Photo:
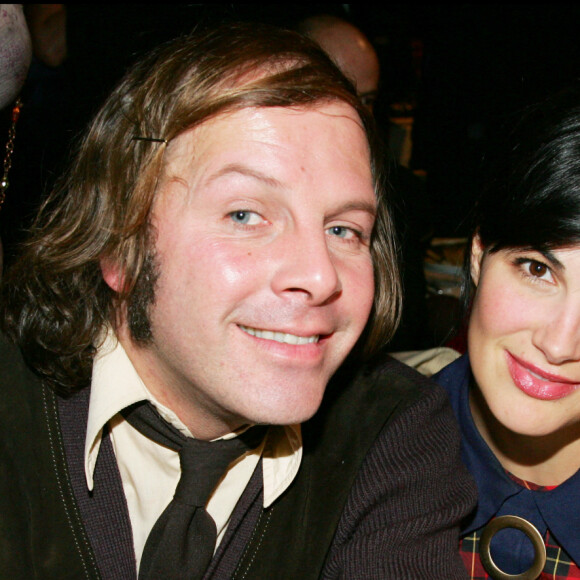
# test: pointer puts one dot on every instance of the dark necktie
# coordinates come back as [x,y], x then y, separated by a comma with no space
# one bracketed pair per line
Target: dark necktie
[182,541]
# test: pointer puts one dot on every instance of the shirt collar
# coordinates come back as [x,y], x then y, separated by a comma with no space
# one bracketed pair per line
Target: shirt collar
[498,493]
[116,385]
[281,460]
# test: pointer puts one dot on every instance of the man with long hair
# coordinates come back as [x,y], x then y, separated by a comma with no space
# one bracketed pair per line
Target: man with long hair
[191,384]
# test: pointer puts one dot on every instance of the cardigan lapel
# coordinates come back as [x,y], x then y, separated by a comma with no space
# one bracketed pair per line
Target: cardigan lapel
[103,511]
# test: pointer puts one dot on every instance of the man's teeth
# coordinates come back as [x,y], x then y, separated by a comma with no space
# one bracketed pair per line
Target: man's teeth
[280,336]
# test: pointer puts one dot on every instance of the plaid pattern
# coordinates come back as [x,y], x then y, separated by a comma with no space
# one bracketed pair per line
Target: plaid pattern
[559,566]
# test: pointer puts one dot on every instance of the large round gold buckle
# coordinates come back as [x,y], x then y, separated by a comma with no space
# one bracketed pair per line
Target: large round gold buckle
[531,532]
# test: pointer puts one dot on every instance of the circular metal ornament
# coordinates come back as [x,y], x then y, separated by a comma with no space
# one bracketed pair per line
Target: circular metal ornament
[529,530]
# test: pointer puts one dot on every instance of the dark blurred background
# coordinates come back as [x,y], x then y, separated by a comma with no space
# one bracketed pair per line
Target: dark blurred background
[452,76]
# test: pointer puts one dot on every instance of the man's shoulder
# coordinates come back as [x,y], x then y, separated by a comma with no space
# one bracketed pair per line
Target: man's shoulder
[19,386]
[378,389]
[362,400]
[35,499]
[406,380]
[22,409]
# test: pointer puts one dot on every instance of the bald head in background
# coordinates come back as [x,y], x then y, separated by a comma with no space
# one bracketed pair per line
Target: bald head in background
[350,49]
[15,52]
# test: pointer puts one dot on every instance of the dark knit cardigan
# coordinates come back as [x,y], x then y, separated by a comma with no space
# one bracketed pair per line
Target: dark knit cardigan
[380,492]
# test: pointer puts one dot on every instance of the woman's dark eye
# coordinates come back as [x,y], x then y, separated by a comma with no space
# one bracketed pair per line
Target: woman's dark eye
[538,269]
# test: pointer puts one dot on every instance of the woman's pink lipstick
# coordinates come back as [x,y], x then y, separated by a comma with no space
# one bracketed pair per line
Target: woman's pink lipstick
[537,383]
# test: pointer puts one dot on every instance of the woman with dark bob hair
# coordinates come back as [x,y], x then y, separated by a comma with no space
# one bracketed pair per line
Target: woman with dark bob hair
[516,393]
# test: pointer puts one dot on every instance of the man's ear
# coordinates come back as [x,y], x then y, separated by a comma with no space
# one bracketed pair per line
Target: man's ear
[112,274]
[477,253]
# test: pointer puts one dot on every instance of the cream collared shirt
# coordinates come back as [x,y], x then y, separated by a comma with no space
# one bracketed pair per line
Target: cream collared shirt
[149,471]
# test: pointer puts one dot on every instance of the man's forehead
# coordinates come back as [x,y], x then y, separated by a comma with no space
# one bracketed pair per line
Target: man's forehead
[269,127]
[256,115]
[273,149]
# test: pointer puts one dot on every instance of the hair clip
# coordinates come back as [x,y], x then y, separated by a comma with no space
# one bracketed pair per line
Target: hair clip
[154,139]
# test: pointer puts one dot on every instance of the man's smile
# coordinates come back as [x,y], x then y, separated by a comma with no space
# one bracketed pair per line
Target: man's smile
[283,337]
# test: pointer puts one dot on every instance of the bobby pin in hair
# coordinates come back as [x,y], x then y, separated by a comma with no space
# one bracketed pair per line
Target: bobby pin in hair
[155,139]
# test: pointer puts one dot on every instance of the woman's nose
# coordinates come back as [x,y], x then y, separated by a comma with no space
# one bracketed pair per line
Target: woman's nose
[559,339]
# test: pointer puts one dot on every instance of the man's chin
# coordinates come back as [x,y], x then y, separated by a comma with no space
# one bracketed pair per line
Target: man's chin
[291,414]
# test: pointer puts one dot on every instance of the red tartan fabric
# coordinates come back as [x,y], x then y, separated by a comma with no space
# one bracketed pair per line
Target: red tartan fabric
[559,565]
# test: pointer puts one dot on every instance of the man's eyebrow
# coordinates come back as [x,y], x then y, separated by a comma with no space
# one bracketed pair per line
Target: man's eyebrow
[355,205]
[241,169]
[247,171]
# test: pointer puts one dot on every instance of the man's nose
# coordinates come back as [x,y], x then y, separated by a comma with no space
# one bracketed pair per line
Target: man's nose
[559,339]
[306,267]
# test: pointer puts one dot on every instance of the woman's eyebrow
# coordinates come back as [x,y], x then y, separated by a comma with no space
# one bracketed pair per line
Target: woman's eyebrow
[550,257]
[547,254]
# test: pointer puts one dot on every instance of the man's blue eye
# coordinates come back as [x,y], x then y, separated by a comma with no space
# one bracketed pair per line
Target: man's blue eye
[339,231]
[241,217]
